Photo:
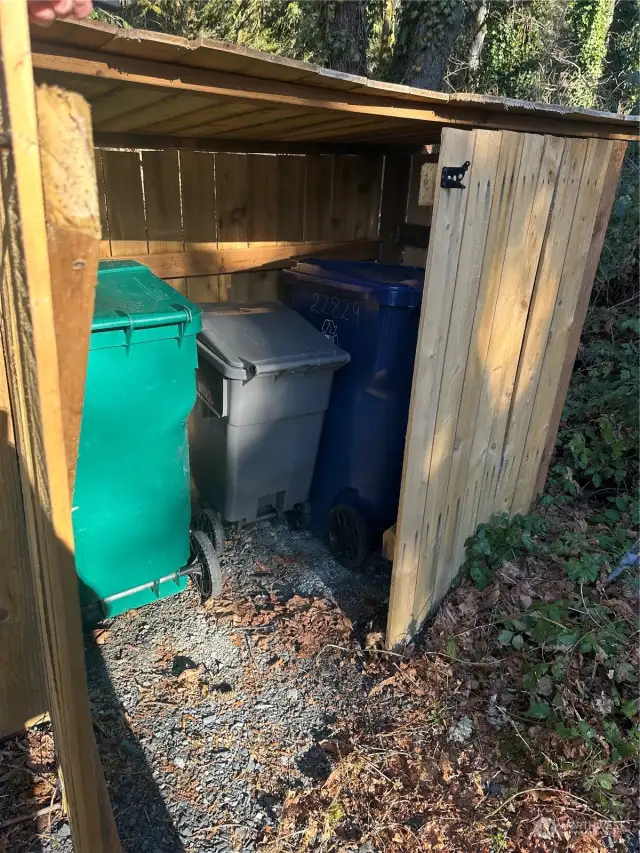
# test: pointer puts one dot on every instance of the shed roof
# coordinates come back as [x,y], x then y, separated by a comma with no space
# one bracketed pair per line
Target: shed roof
[157,85]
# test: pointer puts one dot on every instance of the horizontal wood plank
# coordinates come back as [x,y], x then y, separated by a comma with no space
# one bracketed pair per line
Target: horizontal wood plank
[161,141]
[184,264]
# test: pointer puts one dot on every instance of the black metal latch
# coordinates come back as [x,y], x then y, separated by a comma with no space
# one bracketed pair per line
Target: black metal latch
[452,176]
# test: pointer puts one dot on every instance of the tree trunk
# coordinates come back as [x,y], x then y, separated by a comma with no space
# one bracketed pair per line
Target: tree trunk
[480,33]
[426,33]
[347,36]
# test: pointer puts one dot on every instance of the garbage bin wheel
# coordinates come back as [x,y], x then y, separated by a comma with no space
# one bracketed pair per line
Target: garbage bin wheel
[299,517]
[348,536]
[206,574]
[210,522]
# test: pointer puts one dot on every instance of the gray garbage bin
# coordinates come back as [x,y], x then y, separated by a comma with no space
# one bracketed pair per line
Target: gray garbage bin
[264,380]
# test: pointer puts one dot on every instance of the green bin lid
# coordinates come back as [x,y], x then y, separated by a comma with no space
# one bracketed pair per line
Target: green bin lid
[129,297]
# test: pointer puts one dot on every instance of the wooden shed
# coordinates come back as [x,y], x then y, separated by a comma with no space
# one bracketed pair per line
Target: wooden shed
[217,166]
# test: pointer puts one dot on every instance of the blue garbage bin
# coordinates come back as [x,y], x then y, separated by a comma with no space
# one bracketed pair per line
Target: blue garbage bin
[371,311]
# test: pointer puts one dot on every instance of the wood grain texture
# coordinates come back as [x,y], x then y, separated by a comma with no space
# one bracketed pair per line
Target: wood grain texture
[221,261]
[597,240]
[197,172]
[492,260]
[504,296]
[544,298]
[263,199]
[125,204]
[439,516]
[72,213]
[568,319]
[344,193]
[368,186]
[105,243]
[162,201]
[390,111]
[291,201]
[28,324]
[202,288]
[160,141]
[537,179]
[406,599]
[232,200]
[393,208]
[417,214]
[317,201]
[22,689]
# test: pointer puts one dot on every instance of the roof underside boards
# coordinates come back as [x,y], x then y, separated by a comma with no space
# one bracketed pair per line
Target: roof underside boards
[153,84]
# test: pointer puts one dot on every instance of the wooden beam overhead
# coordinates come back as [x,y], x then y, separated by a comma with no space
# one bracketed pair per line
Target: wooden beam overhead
[388,107]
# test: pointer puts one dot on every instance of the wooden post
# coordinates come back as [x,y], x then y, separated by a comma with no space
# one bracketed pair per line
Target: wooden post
[29,329]
[73,235]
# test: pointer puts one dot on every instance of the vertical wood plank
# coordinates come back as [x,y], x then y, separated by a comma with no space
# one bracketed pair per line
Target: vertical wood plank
[525,181]
[317,209]
[225,285]
[179,284]
[162,201]
[417,214]
[232,199]
[368,189]
[599,233]
[28,325]
[438,515]
[125,205]
[254,286]
[263,199]
[203,288]
[105,243]
[544,298]
[492,261]
[197,170]
[521,262]
[22,692]
[456,146]
[395,188]
[566,324]
[73,231]
[291,175]
[504,298]
[343,197]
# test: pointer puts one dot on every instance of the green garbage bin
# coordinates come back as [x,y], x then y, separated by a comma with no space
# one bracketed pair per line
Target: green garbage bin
[131,507]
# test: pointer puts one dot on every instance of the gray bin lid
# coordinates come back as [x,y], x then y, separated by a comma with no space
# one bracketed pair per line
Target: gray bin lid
[259,338]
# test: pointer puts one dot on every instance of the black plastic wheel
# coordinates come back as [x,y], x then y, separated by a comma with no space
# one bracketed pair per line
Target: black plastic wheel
[207,574]
[299,517]
[210,522]
[348,536]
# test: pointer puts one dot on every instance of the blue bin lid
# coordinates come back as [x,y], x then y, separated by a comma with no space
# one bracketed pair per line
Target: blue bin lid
[129,297]
[389,284]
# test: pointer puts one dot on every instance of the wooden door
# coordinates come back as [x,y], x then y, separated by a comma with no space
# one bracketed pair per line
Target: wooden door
[510,260]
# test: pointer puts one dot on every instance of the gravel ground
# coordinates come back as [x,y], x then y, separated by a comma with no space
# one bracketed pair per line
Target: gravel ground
[207,715]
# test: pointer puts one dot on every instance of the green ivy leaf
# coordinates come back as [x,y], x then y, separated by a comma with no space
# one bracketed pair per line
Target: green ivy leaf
[518,642]
[452,647]
[586,730]
[566,732]
[539,710]
[630,707]
[505,637]
[605,781]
